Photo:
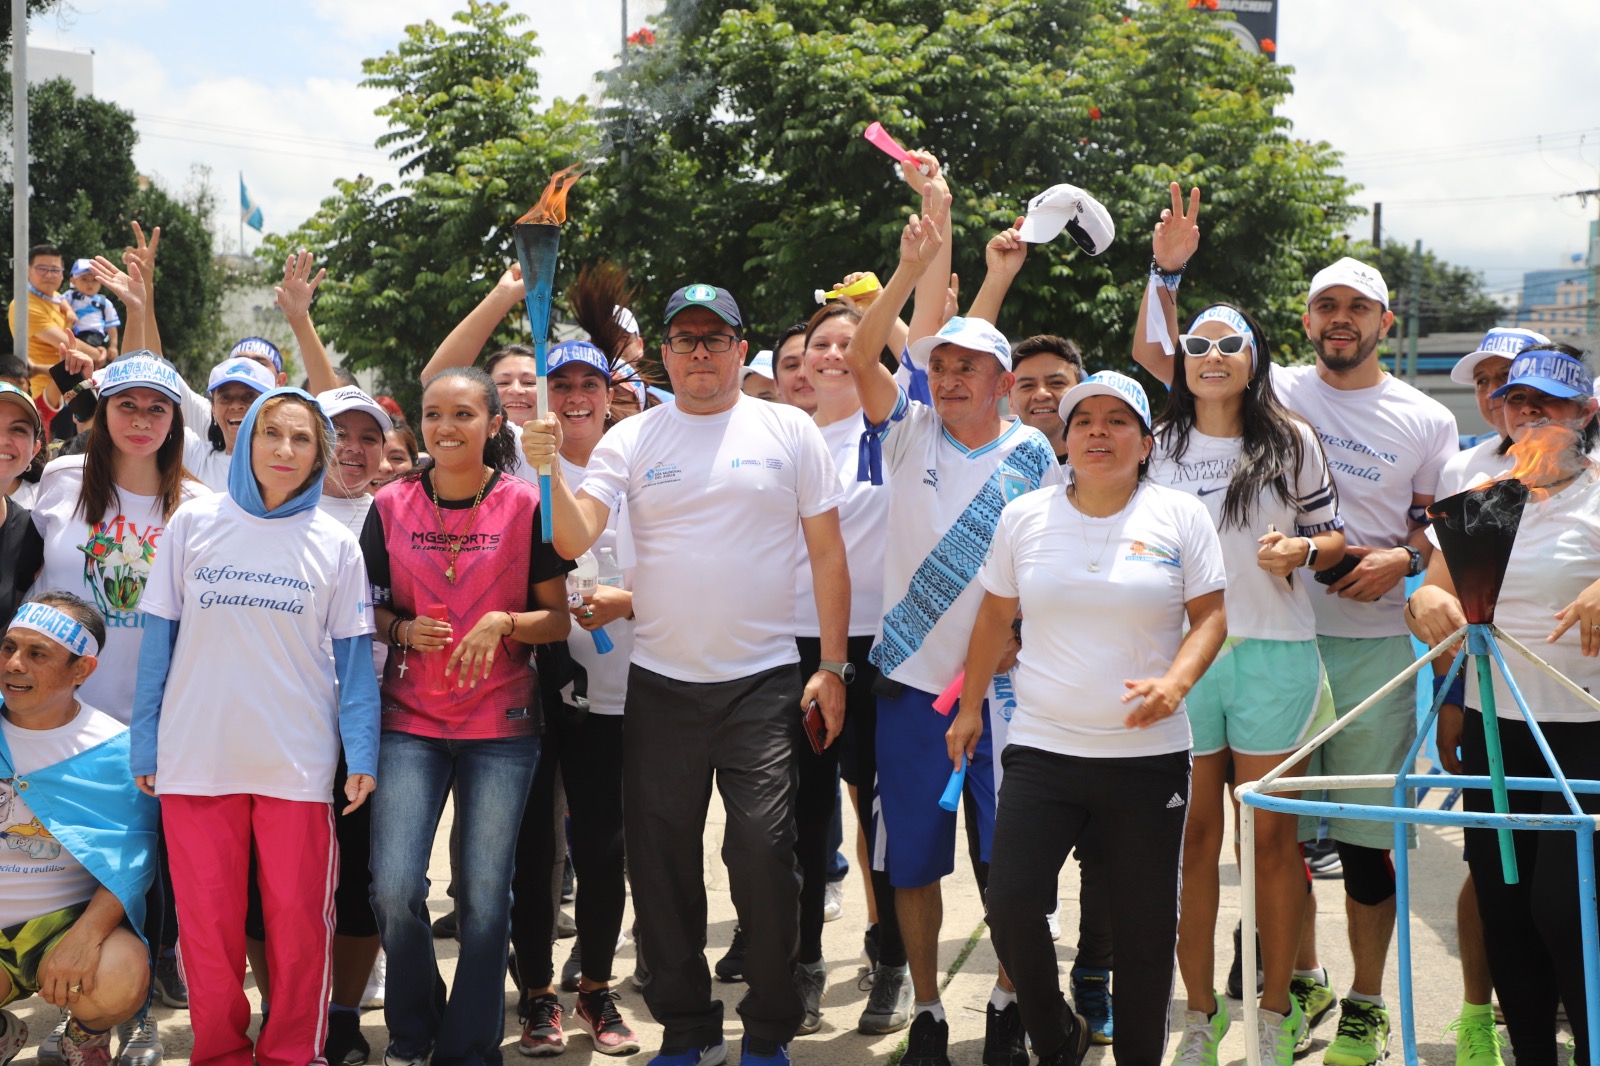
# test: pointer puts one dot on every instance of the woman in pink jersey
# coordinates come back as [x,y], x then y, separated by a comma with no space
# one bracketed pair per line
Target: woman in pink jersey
[465,589]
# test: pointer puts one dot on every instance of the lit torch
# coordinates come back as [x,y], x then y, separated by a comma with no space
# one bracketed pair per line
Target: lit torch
[538,238]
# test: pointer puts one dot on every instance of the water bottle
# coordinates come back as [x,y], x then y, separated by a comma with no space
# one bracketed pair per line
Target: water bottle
[610,572]
[435,682]
[581,584]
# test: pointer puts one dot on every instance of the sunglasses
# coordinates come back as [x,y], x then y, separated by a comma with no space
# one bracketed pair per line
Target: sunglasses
[1198,346]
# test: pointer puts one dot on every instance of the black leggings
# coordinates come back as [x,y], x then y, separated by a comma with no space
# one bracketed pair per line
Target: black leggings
[819,792]
[1531,929]
[579,774]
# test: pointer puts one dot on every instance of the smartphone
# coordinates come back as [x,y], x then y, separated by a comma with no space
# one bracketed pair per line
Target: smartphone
[816,729]
[77,391]
[1338,570]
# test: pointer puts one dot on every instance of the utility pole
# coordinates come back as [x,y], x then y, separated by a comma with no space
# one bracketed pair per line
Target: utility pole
[19,176]
[1591,313]
[1377,226]
[1414,332]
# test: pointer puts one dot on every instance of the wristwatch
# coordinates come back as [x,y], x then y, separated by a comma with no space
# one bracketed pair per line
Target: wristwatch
[1415,566]
[846,672]
[1311,554]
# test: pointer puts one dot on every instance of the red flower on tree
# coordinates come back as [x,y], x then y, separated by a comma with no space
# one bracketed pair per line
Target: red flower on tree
[1268,45]
[645,36]
[1094,113]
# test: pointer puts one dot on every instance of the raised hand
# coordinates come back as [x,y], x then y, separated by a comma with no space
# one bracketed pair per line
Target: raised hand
[143,250]
[923,172]
[922,236]
[129,287]
[1177,235]
[1005,253]
[299,285]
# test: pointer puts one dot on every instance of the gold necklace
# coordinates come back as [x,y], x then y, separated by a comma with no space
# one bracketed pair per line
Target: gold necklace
[452,548]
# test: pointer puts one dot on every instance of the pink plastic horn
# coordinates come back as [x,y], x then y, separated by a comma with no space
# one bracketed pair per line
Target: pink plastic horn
[948,698]
[887,144]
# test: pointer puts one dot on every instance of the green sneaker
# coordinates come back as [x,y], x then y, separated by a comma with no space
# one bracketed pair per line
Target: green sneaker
[1197,1046]
[1279,1034]
[1363,1036]
[1315,999]
[1478,1042]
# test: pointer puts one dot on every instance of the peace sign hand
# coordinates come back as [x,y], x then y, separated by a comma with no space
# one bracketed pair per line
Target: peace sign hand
[1177,235]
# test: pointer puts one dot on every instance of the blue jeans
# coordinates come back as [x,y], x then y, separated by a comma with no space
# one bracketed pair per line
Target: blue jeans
[492,779]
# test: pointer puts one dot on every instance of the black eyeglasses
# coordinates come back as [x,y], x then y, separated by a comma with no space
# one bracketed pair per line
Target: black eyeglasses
[715,343]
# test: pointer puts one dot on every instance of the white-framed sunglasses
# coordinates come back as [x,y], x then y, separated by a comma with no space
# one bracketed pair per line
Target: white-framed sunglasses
[1198,347]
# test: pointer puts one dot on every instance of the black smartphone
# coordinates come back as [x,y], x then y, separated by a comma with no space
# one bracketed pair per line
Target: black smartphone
[816,729]
[76,390]
[1338,570]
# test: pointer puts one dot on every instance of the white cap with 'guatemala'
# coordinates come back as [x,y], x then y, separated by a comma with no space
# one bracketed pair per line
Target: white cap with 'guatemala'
[1506,342]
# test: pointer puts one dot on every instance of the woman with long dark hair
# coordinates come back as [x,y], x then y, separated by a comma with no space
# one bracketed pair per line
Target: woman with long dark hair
[461,706]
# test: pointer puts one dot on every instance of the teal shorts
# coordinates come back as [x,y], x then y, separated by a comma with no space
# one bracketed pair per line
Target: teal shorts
[1258,698]
[1376,743]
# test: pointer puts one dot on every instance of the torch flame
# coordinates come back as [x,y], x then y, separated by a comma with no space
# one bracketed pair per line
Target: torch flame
[551,210]
[1543,456]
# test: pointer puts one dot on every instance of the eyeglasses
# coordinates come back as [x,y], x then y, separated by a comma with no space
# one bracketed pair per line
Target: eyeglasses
[1198,346]
[715,343]
[49,272]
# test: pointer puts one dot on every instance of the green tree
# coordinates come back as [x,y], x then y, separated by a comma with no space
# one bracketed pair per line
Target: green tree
[35,7]
[189,280]
[736,152]
[1452,297]
[406,262]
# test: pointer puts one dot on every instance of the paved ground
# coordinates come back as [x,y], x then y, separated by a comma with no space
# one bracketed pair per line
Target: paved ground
[1437,868]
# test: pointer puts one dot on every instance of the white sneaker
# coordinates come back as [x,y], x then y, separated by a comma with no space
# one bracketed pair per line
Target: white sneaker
[1053,920]
[141,1042]
[833,901]
[372,998]
[49,1053]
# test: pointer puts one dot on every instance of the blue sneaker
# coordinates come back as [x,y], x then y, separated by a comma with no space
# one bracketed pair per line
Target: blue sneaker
[1091,997]
[709,1055]
[763,1051]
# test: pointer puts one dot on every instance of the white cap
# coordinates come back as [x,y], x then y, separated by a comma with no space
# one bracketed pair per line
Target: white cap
[1108,383]
[1354,273]
[244,371]
[1068,207]
[336,402]
[761,364]
[1504,341]
[625,319]
[973,333]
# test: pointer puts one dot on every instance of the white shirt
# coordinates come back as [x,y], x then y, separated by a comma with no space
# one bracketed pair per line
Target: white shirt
[1555,557]
[251,704]
[608,673]
[107,563]
[863,521]
[38,875]
[1472,467]
[1260,605]
[27,492]
[703,492]
[933,482]
[1384,444]
[203,460]
[1084,633]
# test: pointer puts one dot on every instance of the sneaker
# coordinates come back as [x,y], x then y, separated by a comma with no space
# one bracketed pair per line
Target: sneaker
[1005,1042]
[811,980]
[1478,1042]
[541,1028]
[710,1055]
[888,1007]
[82,1048]
[1363,1036]
[833,901]
[731,966]
[869,948]
[444,928]
[372,997]
[1322,856]
[1316,999]
[928,1043]
[49,1050]
[755,1051]
[1052,921]
[391,1057]
[1278,1035]
[1236,972]
[170,987]
[572,969]
[1091,995]
[141,1042]
[1197,1045]
[345,1045]
[569,883]
[597,1014]
[1075,1047]
[13,1036]
[566,928]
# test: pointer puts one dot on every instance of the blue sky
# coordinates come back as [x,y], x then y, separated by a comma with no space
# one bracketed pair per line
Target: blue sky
[1464,117]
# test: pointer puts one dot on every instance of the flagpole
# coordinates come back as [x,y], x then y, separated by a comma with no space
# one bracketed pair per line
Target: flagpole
[241,222]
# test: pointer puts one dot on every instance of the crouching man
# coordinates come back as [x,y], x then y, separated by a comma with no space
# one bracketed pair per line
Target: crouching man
[77,838]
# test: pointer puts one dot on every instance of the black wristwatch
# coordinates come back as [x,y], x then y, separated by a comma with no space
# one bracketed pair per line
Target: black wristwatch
[1415,566]
[845,672]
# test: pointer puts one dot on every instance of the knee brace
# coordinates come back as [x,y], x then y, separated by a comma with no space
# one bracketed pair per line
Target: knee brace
[1368,873]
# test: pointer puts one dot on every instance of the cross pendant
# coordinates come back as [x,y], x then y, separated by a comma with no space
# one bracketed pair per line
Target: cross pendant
[402,669]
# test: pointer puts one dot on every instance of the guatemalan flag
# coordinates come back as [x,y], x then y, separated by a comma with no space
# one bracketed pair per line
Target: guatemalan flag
[248,211]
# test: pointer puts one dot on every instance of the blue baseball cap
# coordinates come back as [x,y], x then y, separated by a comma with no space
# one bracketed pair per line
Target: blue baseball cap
[244,371]
[1504,342]
[142,370]
[700,294]
[580,352]
[258,347]
[1550,372]
[1108,383]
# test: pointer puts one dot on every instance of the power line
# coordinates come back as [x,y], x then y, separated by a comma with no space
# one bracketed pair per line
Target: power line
[326,142]
[270,149]
[1426,155]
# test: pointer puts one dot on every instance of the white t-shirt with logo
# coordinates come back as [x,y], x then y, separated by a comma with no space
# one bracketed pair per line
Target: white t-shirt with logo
[1383,444]
[257,601]
[1555,557]
[934,484]
[1472,467]
[107,563]
[706,495]
[863,521]
[37,874]
[1260,605]
[1085,632]
[607,673]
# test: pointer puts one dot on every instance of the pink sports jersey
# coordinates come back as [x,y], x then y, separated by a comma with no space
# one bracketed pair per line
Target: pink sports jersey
[492,574]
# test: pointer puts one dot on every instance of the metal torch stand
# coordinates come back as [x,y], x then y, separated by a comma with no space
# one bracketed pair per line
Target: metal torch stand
[1483,642]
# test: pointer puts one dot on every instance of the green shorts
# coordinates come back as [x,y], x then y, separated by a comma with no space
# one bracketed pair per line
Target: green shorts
[23,948]
[1258,698]
[1376,743]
